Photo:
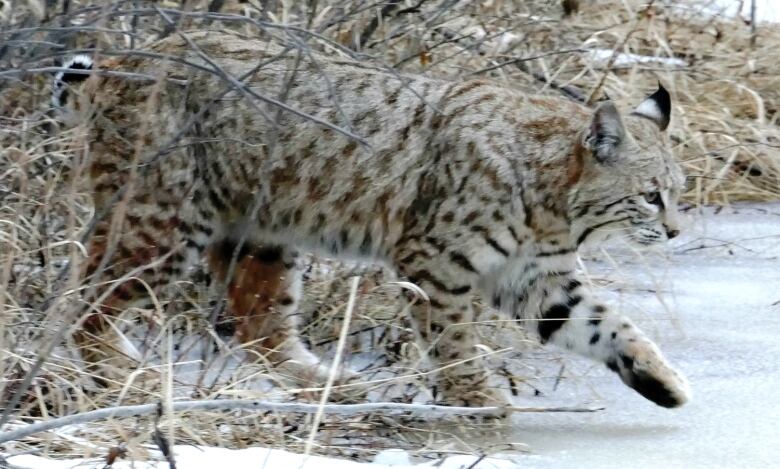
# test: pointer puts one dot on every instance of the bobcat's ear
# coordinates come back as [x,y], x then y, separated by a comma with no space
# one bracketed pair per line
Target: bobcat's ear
[605,133]
[657,107]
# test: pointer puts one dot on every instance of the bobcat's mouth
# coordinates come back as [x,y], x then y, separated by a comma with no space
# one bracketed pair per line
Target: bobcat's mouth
[647,236]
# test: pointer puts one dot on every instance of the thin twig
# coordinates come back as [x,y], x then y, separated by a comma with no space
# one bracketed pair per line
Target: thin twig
[752,23]
[384,408]
[383,13]
[518,60]
[615,53]
[569,91]
[334,368]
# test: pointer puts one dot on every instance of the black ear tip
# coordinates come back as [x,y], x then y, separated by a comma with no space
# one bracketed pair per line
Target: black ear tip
[664,101]
[662,93]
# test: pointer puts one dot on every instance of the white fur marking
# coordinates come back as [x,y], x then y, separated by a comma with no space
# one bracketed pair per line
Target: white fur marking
[650,109]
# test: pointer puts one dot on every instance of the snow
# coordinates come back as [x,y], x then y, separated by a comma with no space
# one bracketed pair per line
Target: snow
[601,57]
[766,10]
[192,457]
[711,300]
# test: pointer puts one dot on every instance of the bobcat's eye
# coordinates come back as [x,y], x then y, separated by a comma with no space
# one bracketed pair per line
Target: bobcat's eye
[654,198]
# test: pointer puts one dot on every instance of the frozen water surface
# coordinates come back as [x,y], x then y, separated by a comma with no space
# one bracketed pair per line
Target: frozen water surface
[720,284]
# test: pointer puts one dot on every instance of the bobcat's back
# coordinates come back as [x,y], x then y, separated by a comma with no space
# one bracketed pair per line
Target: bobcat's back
[424,138]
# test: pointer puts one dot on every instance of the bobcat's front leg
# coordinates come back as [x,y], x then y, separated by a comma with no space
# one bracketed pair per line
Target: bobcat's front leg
[563,312]
[445,327]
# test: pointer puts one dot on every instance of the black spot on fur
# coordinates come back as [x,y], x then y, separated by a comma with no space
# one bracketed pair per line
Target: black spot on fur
[553,320]
[558,252]
[192,244]
[123,294]
[462,261]
[628,362]
[286,301]
[514,235]
[595,338]
[426,276]
[366,246]
[460,290]
[494,244]
[171,271]
[216,201]
[268,254]
[227,248]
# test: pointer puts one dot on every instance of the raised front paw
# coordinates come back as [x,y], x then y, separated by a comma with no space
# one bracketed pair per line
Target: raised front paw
[642,367]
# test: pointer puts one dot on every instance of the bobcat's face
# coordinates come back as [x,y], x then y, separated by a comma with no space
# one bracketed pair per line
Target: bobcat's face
[631,182]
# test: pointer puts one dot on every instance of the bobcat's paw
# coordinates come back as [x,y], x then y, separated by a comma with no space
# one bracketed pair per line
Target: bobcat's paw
[642,367]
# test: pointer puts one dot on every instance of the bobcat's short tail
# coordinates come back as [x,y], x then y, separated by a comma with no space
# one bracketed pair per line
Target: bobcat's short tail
[63,79]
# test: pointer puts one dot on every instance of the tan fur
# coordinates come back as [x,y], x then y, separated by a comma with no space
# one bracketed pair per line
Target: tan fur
[463,187]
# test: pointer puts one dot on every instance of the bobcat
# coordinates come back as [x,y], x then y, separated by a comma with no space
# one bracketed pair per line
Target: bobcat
[463,187]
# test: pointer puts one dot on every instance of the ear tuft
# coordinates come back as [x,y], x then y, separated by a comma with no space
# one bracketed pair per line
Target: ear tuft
[605,133]
[657,107]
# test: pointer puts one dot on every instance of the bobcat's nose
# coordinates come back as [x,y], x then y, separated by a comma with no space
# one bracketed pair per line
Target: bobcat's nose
[672,233]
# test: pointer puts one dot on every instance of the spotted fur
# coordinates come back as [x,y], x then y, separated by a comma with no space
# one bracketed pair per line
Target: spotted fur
[464,187]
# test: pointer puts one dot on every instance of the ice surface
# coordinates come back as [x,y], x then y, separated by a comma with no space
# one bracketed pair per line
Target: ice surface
[712,302]
[721,286]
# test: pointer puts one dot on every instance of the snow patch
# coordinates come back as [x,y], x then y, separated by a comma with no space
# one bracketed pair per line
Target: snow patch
[766,10]
[195,457]
[601,57]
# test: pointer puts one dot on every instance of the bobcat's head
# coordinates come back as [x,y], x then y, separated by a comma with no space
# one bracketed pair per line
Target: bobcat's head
[630,181]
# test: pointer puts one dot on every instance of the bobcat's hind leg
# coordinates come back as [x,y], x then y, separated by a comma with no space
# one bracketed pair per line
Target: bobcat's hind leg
[120,270]
[263,293]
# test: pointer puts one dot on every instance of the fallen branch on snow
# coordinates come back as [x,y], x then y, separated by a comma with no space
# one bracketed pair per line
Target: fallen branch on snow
[386,408]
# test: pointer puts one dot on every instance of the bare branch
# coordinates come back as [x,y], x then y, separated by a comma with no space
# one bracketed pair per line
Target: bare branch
[384,408]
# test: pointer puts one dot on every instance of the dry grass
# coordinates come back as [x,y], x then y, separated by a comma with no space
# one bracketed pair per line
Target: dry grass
[727,95]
